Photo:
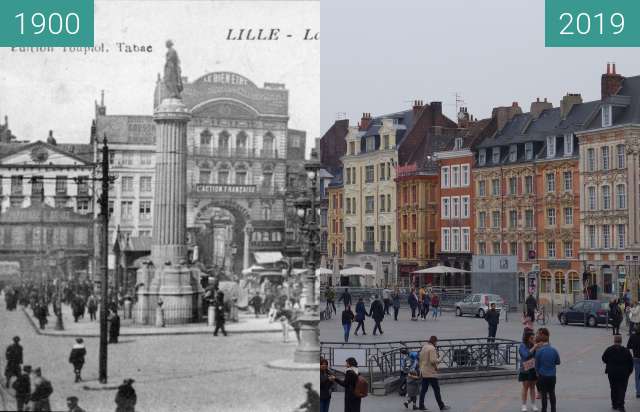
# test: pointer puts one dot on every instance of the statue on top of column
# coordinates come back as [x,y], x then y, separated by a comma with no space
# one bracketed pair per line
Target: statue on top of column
[172,73]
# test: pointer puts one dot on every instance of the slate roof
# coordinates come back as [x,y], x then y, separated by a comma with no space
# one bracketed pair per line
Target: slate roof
[630,112]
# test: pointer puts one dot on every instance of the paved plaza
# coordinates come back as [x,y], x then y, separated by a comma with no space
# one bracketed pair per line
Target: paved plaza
[582,385]
[172,372]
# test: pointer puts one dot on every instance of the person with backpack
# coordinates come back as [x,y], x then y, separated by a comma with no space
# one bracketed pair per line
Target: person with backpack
[376,311]
[347,319]
[42,390]
[429,362]
[413,303]
[361,313]
[355,386]
[76,357]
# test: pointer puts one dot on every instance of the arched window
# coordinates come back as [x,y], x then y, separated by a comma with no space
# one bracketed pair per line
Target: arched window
[268,145]
[205,138]
[267,176]
[205,173]
[241,140]
[574,283]
[241,175]
[559,282]
[223,140]
[545,282]
[223,174]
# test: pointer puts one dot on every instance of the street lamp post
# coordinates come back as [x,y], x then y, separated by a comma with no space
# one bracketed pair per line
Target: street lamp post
[308,350]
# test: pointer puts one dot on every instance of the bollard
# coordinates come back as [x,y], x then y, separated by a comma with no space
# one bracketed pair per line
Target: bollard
[210,316]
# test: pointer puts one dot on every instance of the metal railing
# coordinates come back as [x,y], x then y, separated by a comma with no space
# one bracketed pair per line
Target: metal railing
[455,355]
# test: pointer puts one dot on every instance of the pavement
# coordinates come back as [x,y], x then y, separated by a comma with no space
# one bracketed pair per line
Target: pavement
[172,372]
[247,323]
[581,386]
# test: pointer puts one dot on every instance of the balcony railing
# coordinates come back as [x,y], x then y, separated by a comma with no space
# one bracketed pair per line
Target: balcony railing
[235,152]
[369,246]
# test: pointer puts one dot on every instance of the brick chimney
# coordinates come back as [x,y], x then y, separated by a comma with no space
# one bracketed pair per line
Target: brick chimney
[538,107]
[417,106]
[365,121]
[611,82]
[567,102]
[436,108]
[505,113]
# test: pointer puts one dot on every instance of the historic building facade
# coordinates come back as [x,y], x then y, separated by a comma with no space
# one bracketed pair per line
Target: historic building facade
[335,223]
[242,159]
[609,175]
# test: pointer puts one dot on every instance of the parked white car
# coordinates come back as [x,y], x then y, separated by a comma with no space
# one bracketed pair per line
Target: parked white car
[478,304]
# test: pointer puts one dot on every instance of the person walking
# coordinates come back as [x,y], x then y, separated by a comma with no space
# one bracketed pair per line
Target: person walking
[547,358]
[219,314]
[634,317]
[421,296]
[395,299]
[426,303]
[376,312]
[386,300]
[42,390]
[413,382]
[126,397]
[619,366]
[92,307]
[352,402]
[435,305]
[256,304]
[413,303]
[330,296]
[493,319]
[41,312]
[615,316]
[76,357]
[347,319]
[13,355]
[634,345]
[429,361]
[361,313]
[114,326]
[345,297]
[22,388]
[326,385]
[531,303]
[527,374]
[72,404]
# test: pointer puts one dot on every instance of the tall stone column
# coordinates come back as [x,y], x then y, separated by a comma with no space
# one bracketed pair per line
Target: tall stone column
[247,241]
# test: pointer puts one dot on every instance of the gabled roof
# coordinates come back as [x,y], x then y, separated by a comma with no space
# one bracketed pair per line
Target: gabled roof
[84,156]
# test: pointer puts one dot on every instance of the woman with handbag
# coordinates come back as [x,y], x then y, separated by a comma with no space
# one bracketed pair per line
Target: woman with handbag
[527,373]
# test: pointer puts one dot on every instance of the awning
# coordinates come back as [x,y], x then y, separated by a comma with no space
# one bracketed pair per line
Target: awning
[357,271]
[324,271]
[251,269]
[263,258]
[441,269]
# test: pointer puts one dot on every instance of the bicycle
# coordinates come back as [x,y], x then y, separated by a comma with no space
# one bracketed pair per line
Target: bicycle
[327,312]
[541,316]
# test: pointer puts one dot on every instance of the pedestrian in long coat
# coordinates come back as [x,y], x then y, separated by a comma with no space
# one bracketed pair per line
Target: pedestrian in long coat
[92,307]
[126,397]
[219,314]
[14,359]
[76,357]
[114,327]
[42,390]
[77,307]
[619,367]
[377,313]
[22,386]
[42,311]
[615,316]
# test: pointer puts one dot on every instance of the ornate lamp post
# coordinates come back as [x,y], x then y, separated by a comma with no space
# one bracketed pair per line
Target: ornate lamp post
[308,350]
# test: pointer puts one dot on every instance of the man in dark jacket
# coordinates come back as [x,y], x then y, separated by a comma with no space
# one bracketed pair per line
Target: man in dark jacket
[126,397]
[619,366]
[114,327]
[14,359]
[376,311]
[42,390]
[493,318]
[219,314]
[345,298]
[531,304]
[76,357]
[634,346]
[22,386]
[256,304]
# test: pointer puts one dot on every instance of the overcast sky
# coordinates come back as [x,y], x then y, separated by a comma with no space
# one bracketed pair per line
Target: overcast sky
[379,55]
[42,91]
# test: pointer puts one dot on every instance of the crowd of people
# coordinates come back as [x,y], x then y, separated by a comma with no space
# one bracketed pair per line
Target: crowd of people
[32,391]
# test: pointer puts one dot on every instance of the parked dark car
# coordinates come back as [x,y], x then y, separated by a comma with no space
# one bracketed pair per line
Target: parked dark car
[587,312]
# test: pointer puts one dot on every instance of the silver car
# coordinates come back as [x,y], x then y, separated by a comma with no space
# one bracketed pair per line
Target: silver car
[478,304]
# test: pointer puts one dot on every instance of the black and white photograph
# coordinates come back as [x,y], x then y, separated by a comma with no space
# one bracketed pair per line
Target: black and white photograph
[159,225]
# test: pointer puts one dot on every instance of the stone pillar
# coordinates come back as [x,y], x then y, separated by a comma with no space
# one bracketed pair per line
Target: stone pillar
[247,241]
[170,197]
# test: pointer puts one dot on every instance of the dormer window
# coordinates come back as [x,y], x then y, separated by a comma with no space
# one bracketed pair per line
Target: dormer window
[528,151]
[371,144]
[513,153]
[568,144]
[551,146]
[495,155]
[458,143]
[606,116]
[482,157]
